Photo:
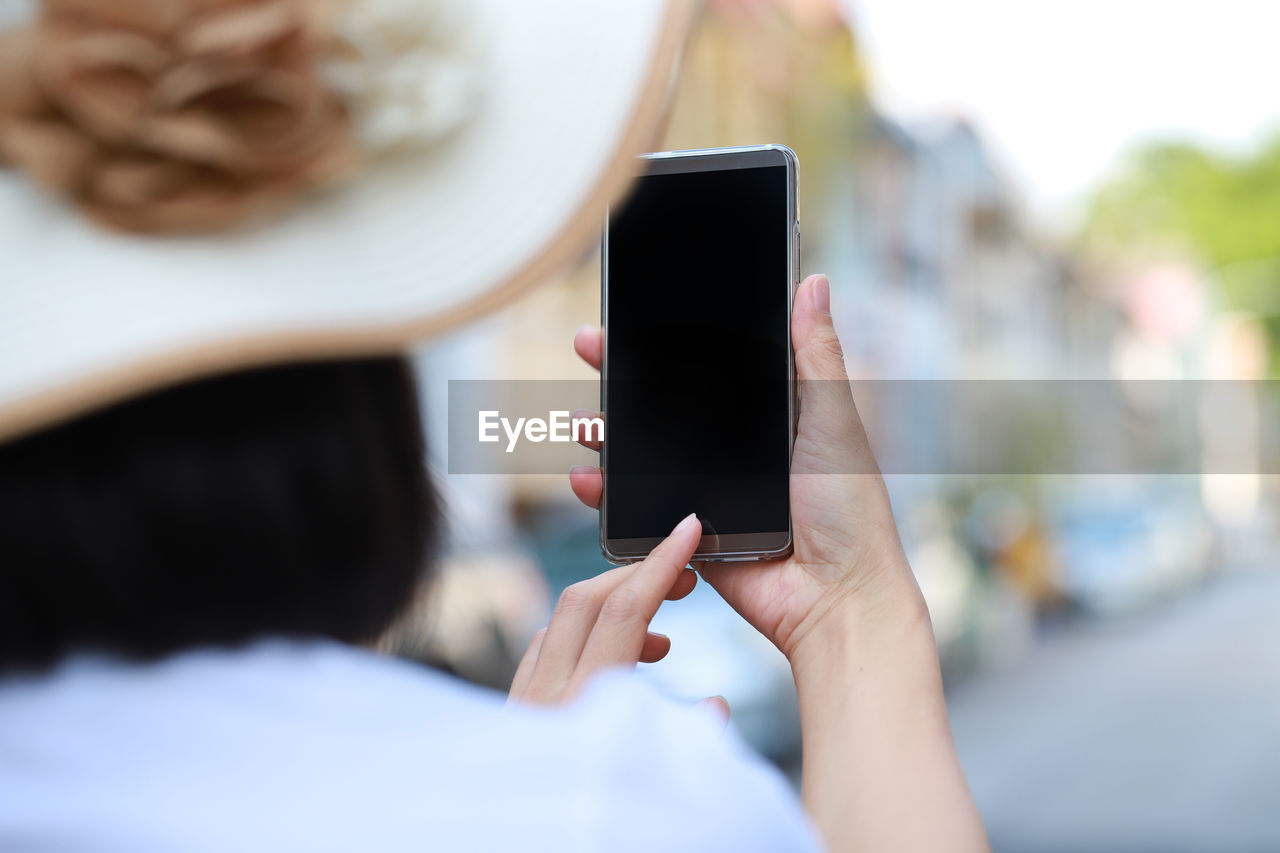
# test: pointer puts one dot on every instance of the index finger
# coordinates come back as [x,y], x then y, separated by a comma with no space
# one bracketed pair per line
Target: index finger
[588,342]
[620,629]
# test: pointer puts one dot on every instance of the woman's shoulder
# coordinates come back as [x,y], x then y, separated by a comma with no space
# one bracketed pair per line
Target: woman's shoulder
[670,775]
[343,746]
[624,767]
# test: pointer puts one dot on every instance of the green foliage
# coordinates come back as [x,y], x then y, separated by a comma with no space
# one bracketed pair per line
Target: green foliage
[1223,211]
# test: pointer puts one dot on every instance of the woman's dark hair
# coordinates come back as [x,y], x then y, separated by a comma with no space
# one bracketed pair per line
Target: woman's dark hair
[287,501]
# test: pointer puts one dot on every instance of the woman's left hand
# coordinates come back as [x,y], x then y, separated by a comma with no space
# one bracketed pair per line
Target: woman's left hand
[604,621]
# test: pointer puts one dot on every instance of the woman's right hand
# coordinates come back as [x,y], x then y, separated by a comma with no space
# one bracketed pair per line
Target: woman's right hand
[847,561]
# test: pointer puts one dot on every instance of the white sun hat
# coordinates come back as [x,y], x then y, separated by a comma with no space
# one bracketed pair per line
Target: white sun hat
[529,132]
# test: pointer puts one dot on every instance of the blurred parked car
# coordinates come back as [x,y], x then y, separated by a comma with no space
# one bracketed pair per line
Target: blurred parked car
[1126,542]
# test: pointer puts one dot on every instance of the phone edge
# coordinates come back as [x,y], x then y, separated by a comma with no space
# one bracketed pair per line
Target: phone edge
[792,164]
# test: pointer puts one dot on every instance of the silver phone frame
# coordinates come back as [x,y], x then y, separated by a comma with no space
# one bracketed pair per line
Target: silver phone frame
[714,548]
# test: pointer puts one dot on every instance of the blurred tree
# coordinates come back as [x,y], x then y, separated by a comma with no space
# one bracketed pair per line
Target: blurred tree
[1223,211]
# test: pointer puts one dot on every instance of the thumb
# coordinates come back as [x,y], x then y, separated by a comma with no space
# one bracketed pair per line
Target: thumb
[818,352]
[831,439]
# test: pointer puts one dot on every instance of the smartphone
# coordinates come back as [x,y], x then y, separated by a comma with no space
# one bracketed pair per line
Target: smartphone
[699,269]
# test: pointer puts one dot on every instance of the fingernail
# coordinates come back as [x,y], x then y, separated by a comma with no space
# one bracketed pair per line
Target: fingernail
[822,295]
[581,329]
[690,519]
[576,469]
[718,705]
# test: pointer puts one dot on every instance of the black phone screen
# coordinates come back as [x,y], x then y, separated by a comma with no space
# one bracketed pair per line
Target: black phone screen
[697,354]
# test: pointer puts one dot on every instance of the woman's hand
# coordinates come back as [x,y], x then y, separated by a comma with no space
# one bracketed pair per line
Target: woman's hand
[847,556]
[604,621]
[845,610]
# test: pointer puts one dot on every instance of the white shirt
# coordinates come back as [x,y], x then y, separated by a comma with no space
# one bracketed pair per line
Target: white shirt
[316,746]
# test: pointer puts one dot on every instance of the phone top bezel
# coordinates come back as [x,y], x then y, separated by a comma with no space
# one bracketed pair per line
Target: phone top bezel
[733,547]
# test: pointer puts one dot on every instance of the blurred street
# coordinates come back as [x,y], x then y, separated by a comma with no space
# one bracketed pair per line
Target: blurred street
[1159,731]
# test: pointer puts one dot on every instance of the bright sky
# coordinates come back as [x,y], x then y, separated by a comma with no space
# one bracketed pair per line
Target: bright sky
[1061,88]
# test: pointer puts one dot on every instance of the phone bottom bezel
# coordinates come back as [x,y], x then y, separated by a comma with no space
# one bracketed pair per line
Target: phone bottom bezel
[723,548]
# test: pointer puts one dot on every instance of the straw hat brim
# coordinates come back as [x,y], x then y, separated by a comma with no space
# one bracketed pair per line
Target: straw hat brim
[574,91]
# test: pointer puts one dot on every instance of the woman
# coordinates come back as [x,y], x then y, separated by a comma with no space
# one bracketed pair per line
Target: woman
[195,540]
